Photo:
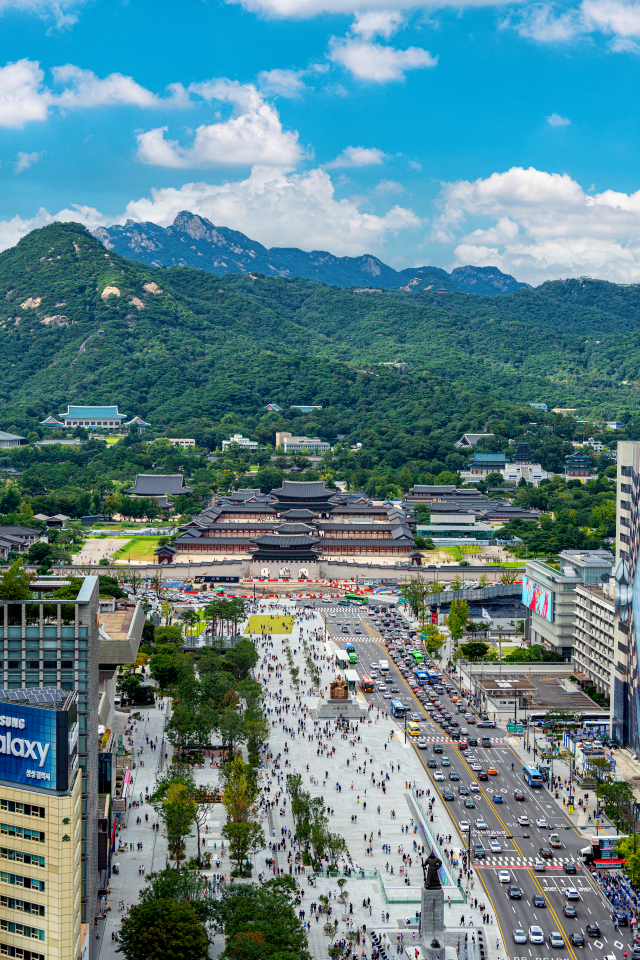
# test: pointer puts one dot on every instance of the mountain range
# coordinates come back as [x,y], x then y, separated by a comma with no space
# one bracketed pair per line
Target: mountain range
[194,241]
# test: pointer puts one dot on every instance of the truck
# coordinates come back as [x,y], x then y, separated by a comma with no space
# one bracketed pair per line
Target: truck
[383,666]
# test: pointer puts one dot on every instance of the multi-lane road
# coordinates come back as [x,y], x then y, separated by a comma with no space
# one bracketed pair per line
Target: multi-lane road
[519,844]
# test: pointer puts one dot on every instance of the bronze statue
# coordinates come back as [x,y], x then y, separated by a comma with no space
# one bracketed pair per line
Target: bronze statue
[430,868]
[339,690]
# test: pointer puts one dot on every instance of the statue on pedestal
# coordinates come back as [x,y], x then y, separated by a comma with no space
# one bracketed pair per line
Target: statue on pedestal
[430,868]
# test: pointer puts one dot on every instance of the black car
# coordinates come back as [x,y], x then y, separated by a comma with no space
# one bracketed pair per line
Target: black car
[514,892]
[483,775]
[538,900]
[569,868]
[469,804]
[449,794]
[432,762]
[437,748]
[453,775]
[518,795]
[620,917]
[577,940]
[592,930]
[473,741]
[463,791]
[570,910]
[546,852]
[478,850]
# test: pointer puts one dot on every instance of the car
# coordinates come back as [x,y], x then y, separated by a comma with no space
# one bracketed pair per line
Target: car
[571,893]
[432,763]
[538,900]
[386,696]
[592,930]
[422,744]
[476,766]
[569,910]
[454,776]
[577,939]
[437,748]
[480,824]
[394,690]
[519,936]
[504,876]
[539,865]
[469,804]
[497,798]
[463,744]
[487,723]
[542,823]
[389,680]
[449,794]
[619,917]
[482,775]
[463,791]
[492,771]
[514,892]
[416,717]
[464,825]
[382,687]
[569,868]
[518,795]
[495,847]
[445,761]
[479,851]
[546,852]
[473,786]
[523,821]
[536,935]
[556,939]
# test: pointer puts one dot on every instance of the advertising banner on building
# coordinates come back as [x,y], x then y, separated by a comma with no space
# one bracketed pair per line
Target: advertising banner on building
[537,598]
[36,744]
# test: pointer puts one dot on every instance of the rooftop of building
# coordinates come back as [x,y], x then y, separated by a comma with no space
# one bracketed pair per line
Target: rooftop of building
[159,484]
[118,623]
[47,698]
[9,436]
[92,413]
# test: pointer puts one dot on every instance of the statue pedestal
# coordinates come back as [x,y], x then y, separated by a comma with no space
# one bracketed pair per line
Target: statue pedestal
[432,924]
[350,709]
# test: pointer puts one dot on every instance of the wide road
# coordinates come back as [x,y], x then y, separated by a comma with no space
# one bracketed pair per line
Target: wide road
[519,844]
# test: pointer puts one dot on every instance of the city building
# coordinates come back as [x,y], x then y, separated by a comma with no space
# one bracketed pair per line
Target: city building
[42,825]
[549,594]
[237,440]
[564,411]
[48,643]
[578,466]
[20,537]
[160,486]
[596,445]
[594,634]
[471,439]
[83,416]
[291,444]
[614,425]
[8,440]
[181,442]
[454,528]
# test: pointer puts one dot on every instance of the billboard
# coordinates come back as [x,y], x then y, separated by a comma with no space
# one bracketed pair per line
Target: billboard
[537,598]
[38,746]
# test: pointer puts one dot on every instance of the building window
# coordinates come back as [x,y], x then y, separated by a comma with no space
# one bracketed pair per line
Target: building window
[23,833]
[25,809]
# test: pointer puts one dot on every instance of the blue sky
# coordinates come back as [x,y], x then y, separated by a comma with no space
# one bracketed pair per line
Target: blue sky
[502,134]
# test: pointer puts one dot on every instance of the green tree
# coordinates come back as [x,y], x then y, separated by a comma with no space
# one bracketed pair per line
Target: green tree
[178,811]
[239,797]
[163,930]
[457,618]
[474,650]
[415,591]
[15,583]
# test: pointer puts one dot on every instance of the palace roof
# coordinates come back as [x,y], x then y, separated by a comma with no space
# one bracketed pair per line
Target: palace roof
[158,484]
[91,413]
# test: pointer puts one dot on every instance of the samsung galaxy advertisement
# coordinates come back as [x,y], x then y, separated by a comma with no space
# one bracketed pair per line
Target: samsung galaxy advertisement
[38,745]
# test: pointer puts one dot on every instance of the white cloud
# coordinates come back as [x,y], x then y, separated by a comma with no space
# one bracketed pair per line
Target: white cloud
[358,157]
[388,186]
[373,61]
[283,83]
[300,9]
[539,226]
[555,120]
[62,12]
[271,206]
[377,23]
[21,96]
[617,19]
[252,135]
[25,160]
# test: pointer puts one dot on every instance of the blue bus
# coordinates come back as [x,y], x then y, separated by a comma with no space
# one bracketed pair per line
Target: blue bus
[532,776]
[398,709]
[434,676]
[422,676]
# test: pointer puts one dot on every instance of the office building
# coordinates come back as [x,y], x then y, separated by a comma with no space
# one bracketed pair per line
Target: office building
[594,635]
[40,825]
[50,643]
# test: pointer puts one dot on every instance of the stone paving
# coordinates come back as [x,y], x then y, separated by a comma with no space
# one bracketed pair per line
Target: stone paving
[380,815]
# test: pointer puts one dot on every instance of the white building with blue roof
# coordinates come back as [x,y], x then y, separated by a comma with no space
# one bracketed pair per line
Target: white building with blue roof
[83,416]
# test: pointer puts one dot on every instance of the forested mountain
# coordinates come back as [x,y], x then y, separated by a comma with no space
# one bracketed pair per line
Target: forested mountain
[193,241]
[82,325]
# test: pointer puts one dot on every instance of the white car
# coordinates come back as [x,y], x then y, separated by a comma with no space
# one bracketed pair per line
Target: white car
[536,935]
[495,847]
[464,825]
[541,822]
[473,786]
[540,866]
[571,893]
[523,821]
[422,744]
[480,824]
[438,775]
[476,766]
[504,876]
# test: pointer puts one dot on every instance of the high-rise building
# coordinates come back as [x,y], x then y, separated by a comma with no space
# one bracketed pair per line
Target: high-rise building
[40,825]
[54,643]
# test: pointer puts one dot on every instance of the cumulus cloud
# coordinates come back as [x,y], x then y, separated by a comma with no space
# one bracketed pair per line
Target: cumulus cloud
[274,207]
[62,12]
[617,19]
[21,97]
[367,60]
[358,157]
[555,120]
[252,135]
[541,226]
[25,160]
[282,83]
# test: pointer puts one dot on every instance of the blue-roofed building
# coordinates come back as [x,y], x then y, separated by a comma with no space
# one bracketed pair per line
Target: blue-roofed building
[305,409]
[88,417]
[52,422]
[482,464]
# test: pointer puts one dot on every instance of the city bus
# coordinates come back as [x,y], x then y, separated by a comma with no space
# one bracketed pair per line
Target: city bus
[532,776]
[418,657]
[434,676]
[355,598]
[398,709]
[353,656]
[368,685]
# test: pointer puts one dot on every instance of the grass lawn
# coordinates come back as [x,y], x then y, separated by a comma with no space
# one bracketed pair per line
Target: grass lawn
[140,548]
[278,624]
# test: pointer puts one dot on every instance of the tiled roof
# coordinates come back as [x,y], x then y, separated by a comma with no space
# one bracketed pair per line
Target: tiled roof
[158,484]
[92,413]
[305,489]
[9,436]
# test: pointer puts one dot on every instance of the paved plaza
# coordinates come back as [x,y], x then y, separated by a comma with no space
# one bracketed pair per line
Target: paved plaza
[371,781]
